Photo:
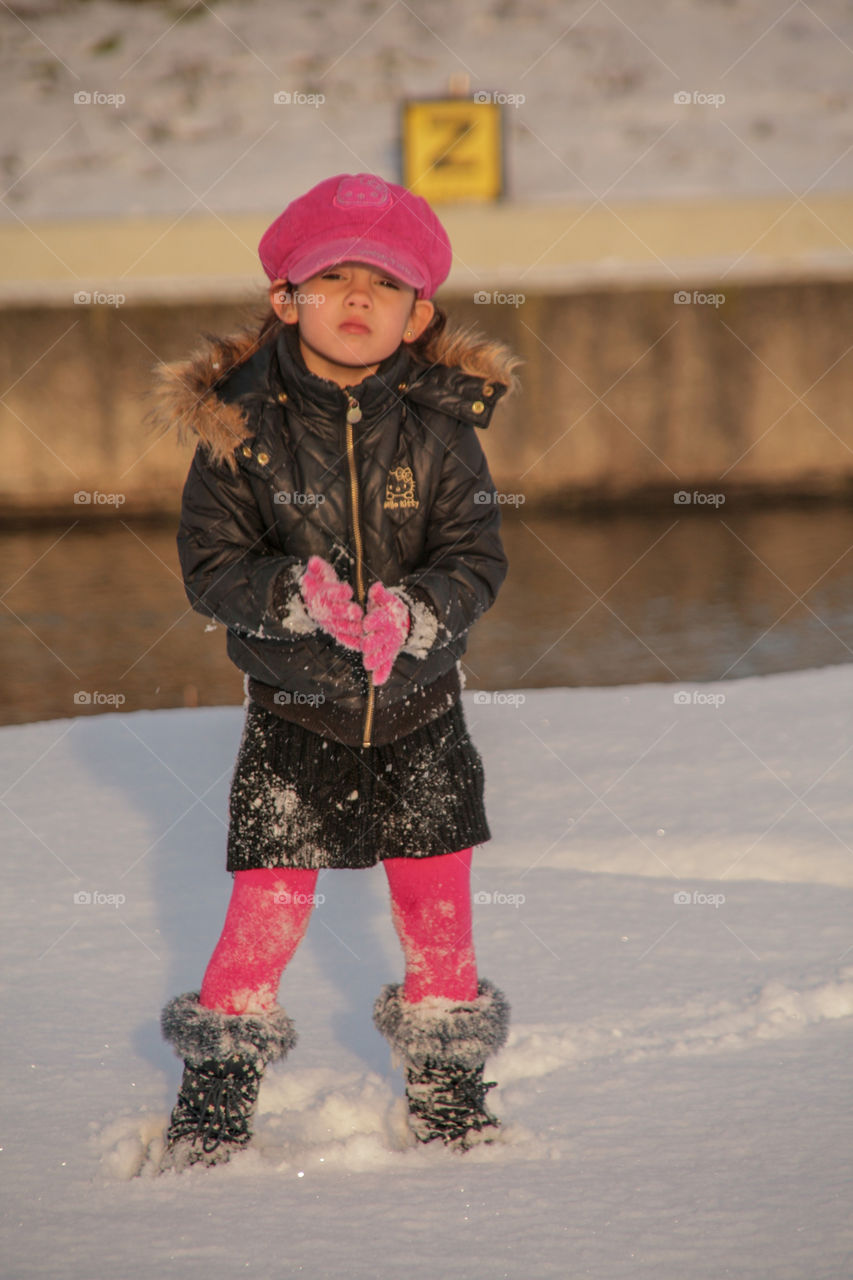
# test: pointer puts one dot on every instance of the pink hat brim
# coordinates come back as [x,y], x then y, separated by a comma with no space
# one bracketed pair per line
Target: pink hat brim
[356,249]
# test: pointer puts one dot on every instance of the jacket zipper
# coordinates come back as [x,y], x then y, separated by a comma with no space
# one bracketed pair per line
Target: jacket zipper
[353,416]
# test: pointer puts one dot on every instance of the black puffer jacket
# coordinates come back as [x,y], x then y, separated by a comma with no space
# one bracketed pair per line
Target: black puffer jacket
[386,480]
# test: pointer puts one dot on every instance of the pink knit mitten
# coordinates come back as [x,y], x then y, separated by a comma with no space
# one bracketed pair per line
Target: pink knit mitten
[386,626]
[330,604]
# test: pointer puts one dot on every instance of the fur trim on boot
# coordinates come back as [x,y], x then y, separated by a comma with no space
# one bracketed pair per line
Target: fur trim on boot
[444,1045]
[224,1060]
[198,1033]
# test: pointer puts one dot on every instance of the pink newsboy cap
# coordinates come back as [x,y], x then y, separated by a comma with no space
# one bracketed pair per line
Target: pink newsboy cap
[358,218]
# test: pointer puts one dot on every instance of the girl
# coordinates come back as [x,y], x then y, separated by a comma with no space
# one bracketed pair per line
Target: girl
[339,520]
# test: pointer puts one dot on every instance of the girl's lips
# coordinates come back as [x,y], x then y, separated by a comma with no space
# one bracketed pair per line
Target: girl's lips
[354,326]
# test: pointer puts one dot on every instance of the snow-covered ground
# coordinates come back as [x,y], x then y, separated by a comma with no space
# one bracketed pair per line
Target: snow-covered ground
[666,902]
[110,107]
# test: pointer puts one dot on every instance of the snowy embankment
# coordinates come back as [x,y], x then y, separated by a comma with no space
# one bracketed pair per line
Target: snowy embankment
[666,902]
[144,108]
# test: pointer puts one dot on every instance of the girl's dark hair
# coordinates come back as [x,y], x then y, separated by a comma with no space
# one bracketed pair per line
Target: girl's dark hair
[269,325]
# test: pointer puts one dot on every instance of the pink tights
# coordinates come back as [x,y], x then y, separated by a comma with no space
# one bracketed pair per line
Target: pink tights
[269,911]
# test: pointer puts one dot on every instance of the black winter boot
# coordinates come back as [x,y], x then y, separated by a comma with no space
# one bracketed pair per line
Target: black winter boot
[444,1046]
[224,1059]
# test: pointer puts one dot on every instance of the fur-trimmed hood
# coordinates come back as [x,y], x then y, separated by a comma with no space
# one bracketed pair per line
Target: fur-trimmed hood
[197,397]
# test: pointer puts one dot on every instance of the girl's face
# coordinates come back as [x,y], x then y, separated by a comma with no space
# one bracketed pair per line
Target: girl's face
[351,317]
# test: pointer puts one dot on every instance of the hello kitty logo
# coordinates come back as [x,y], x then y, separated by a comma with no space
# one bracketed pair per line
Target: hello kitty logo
[400,489]
[363,191]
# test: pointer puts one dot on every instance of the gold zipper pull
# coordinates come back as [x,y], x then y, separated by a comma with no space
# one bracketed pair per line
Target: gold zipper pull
[354,410]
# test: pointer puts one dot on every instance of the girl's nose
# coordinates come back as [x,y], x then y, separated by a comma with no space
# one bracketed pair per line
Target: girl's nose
[359,287]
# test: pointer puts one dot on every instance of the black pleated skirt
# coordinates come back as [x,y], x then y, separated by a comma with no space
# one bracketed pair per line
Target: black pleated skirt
[301,800]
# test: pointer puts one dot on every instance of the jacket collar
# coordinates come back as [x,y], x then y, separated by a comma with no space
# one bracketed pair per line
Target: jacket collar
[206,398]
[323,400]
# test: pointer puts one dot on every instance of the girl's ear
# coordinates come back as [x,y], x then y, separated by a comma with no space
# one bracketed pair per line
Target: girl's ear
[281,302]
[422,312]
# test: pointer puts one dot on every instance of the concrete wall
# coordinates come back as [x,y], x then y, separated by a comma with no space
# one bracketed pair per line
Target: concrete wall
[627,396]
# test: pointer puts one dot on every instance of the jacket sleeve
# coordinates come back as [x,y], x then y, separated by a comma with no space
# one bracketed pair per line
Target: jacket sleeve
[464,562]
[230,572]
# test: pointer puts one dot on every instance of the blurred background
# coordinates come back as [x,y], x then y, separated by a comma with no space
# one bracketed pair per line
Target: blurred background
[663,236]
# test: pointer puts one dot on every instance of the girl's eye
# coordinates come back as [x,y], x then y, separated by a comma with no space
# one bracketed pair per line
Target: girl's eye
[386,282]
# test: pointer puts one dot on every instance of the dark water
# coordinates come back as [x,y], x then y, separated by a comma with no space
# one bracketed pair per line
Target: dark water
[95,615]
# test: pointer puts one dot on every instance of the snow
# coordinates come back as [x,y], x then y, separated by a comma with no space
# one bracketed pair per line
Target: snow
[666,903]
[175,108]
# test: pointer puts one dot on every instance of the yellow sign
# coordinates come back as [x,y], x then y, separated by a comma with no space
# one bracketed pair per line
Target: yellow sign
[453,148]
